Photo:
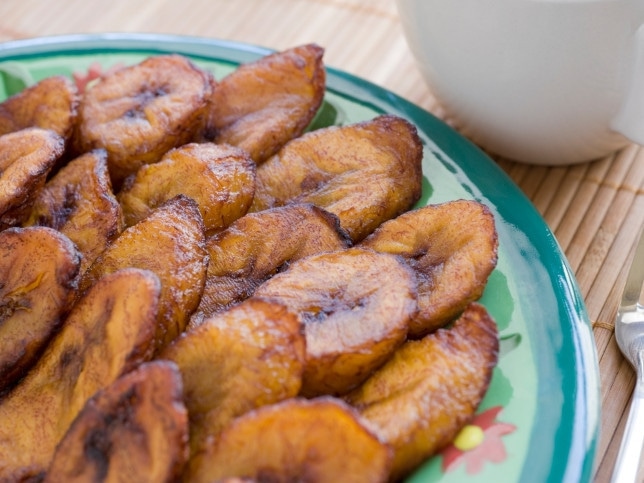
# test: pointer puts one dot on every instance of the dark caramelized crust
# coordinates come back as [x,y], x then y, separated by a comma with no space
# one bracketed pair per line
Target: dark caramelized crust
[137,426]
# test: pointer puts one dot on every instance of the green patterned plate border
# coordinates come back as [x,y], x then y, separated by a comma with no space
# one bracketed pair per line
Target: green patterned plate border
[539,420]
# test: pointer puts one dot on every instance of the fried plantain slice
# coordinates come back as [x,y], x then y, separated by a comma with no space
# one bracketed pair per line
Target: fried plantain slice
[108,332]
[262,105]
[136,429]
[319,440]
[26,158]
[39,272]
[354,317]
[238,360]
[220,178]
[364,173]
[418,401]
[139,112]
[49,104]
[452,247]
[171,243]
[257,246]
[78,201]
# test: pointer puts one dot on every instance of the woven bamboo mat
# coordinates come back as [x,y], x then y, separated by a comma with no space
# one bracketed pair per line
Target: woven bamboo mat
[595,209]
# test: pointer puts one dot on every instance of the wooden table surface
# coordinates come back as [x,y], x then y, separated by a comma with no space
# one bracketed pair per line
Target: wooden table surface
[595,209]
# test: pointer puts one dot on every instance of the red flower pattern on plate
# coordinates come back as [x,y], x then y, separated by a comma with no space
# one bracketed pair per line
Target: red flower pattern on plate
[94,72]
[478,442]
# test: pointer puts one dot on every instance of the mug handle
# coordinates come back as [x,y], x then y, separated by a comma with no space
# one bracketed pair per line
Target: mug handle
[629,121]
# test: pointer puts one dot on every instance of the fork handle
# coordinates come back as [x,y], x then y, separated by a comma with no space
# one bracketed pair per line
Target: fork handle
[630,450]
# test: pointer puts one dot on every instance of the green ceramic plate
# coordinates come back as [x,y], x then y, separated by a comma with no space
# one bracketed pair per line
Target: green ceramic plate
[539,419]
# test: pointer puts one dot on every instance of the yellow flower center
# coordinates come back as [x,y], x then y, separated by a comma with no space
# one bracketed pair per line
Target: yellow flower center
[469,437]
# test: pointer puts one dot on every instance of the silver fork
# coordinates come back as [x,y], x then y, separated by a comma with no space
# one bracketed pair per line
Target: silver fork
[629,332]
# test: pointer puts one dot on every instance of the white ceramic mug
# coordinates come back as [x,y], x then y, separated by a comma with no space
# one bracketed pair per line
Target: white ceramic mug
[541,81]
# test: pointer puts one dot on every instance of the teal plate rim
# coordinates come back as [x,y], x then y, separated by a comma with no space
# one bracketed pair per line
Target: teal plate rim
[563,450]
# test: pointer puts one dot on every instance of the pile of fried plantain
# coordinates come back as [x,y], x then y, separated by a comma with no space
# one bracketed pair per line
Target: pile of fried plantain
[196,285]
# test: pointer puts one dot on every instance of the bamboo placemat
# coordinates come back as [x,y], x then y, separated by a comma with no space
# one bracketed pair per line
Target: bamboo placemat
[595,209]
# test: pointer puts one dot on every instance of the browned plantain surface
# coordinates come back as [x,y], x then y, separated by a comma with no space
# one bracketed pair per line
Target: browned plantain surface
[49,104]
[170,242]
[243,358]
[26,158]
[257,246]
[364,173]
[78,201]
[139,112]
[356,305]
[452,247]
[109,332]
[220,178]
[420,399]
[39,271]
[136,429]
[263,104]
[320,440]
